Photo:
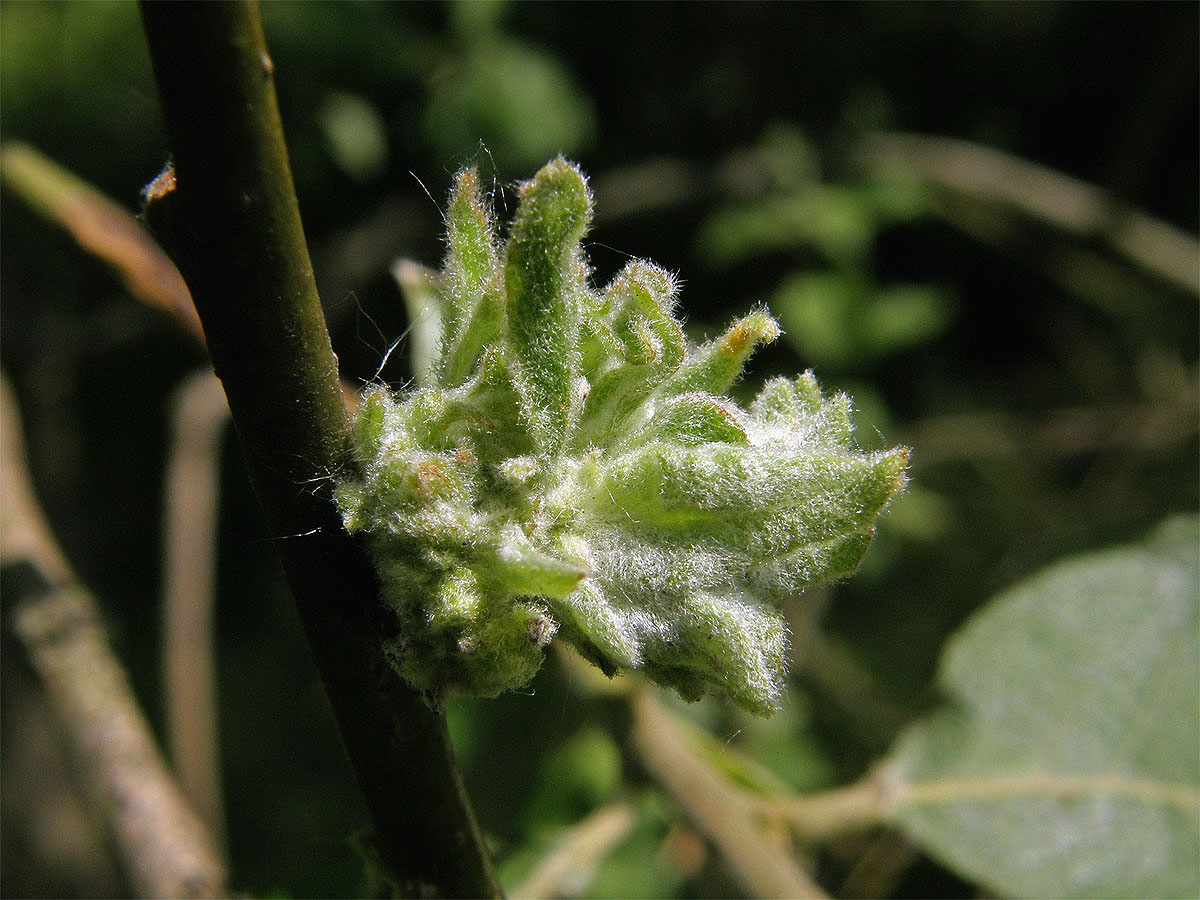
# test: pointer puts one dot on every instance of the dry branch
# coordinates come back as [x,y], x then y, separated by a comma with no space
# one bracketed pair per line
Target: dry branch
[165,849]
[718,810]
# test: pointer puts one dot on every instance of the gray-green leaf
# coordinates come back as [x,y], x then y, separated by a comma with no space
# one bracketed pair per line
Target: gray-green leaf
[1068,764]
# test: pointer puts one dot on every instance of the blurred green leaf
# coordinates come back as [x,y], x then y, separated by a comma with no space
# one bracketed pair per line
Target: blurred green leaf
[517,100]
[789,156]
[576,779]
[903,315]
[1068,764]
[643,865]
[921,514]
[580,775]
[837,221]
[475,17]
[839,318]
[897,197]
[355,134]
[765,756]
[817,312]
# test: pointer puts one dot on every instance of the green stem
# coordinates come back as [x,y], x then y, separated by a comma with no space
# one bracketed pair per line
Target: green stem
[232,224]
[720,811]
[821,817]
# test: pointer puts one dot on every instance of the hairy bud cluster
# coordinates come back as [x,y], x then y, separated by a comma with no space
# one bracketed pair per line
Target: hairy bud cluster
[574,468]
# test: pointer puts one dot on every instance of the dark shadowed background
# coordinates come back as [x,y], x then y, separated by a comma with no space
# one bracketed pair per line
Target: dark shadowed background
[973,295]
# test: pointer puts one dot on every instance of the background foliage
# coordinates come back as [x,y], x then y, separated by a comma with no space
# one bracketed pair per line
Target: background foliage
[1046,383]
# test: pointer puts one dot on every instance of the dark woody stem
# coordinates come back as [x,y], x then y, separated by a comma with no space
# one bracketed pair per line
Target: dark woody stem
[232,224]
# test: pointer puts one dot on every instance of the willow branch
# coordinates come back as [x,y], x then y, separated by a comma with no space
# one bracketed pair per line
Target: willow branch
[570,866]
[820,817]
[232,224]
[720,811]
[1065,202]
[1150,427]
[189,594]
[100,227]
[164,848]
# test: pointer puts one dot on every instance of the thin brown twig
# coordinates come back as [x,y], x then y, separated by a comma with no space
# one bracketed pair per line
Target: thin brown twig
[880,866]
[819,817]
[164,847]
[568,867]
[102,228]
[106,230]
[1065,202]
[189,676]
[720,811]
[1145,427]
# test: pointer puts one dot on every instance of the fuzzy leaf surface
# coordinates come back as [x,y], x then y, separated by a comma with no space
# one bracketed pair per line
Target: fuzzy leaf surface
[574,469]
[1068,764]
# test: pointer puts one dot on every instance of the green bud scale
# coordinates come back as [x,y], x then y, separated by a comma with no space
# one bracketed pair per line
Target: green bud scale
[573,468]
